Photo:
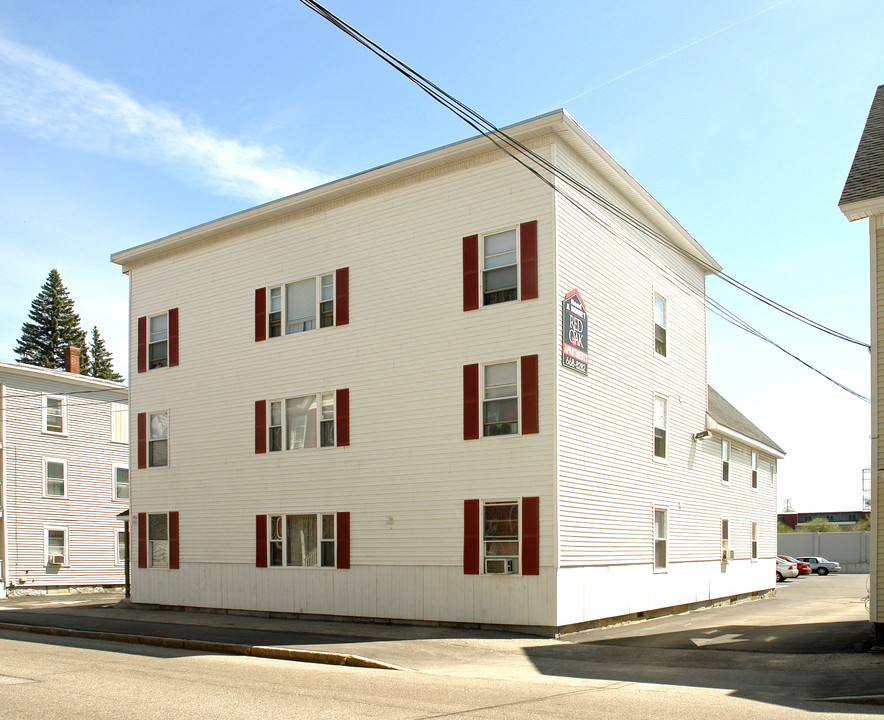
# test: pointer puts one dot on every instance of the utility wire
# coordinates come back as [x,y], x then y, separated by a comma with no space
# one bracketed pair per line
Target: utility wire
[514,148]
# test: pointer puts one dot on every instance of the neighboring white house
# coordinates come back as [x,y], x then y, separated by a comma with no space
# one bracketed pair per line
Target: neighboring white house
[64,478]
[863,198]
[439,391]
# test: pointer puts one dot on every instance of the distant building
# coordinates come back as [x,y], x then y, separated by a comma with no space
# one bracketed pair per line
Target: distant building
[863,197]
[64,478]
[845,520]
[440,391]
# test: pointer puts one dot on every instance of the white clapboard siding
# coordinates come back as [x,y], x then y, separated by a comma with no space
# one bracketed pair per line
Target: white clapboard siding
[89,511]
[407,472]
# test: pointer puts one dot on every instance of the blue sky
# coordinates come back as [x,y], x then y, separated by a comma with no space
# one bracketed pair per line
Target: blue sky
[123,122]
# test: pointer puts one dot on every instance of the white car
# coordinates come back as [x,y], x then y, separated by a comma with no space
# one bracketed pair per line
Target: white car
[821,566]
[786,570]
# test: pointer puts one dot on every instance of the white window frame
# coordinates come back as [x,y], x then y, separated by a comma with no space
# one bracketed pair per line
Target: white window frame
[150,541]
[726,551]
[280,538]
[665,429]
[118,542]
[151,440]
[725,461]
[46,553]
[64,464]
[151,342]
[516,229]
[120,423]
[114,483]
[665,327]
[518,398]
[63,402]
[322,281]
[753,470]
[323,418]
[658,539]
[753,541]
[512,564]
[772,464]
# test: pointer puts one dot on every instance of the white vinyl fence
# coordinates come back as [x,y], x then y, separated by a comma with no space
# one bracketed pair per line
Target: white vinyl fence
[851,549]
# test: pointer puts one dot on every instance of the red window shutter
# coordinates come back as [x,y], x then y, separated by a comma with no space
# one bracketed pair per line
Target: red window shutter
[530,404]
[173,337]
[342,561]
[260,314]
[142,344]
[142,440]
[342,417]
[261,541]
[471,537]
[173,541]
[528,259]
[342,296]
[471,402]
[471,273]
[530,536]
[260,426]
[142,540]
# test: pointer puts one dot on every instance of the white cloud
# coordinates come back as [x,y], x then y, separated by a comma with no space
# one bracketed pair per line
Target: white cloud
[49,99]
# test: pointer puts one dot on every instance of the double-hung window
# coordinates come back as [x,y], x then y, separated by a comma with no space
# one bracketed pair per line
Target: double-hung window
[725,461]
[500,537]
[754,541]
[500,406]
[661,535]
[54,415]
[119,422]
[56,546]
[500,267]
[754,461]
[158,340]
[500,276]
[122,549]
[661,423]
[158,439]
[55,475]
[725,541]
[121,482]
[307,304]
[661,322]
[302,540]
[158,540]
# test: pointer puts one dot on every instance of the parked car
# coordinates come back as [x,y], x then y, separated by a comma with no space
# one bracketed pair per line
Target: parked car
[786,570]
[803,567]
[820,565]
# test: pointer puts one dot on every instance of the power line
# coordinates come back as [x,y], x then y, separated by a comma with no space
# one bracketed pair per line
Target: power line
[510,145]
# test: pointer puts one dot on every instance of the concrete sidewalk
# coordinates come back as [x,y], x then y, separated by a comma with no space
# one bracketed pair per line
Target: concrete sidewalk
[814,638]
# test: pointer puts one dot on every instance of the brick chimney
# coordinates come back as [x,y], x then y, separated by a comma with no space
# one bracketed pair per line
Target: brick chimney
[72,359]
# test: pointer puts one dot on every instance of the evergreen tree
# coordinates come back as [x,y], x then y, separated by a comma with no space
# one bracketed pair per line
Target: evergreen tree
[54,325]
[101,360]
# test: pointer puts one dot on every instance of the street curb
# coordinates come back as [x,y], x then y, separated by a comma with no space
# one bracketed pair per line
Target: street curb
[263,651]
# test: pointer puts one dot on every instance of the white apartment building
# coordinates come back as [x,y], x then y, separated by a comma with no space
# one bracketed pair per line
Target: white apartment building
[64,479]
[440,390]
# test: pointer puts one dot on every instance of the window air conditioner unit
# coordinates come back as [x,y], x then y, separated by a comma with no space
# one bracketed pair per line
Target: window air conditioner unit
[499,567]
[56,559]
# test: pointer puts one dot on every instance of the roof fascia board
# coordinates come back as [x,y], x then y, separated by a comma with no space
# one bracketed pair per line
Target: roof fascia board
[62,376]
[726,432]
[863,208]
[395,170]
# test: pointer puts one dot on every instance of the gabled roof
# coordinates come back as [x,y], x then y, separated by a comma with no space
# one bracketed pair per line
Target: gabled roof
[730,422]
[37,372]
[863,193]
[558,122]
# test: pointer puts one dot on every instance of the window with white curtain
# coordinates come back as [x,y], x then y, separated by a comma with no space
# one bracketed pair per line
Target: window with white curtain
[301,422]
[500,410]
[302,540]
[300,306]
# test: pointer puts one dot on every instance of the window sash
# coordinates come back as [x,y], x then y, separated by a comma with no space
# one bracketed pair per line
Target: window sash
[119,422]
[157,440]
[55,472]
[754,541]
[300,306]
[661,534]
[122,548]
[158,540]
[660,325]
[121,483]
[500,276]
[500,407]
[294,307]
[661,423]
[55,412]
[725,461]
[157,345]
[500,532]
[302,421]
